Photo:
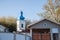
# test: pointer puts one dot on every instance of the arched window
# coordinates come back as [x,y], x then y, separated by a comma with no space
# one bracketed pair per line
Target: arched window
[22,25]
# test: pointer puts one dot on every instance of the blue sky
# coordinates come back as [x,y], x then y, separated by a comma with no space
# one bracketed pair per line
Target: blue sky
[30,8]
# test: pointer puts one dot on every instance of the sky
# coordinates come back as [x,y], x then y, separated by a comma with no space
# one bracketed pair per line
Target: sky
[30,8]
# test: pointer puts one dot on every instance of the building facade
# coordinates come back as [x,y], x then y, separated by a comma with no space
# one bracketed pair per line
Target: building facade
[45,30]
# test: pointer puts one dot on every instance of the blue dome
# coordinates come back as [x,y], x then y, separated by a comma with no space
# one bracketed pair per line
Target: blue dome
[21,17]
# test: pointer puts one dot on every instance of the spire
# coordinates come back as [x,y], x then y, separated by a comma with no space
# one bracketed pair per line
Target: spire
[22,17]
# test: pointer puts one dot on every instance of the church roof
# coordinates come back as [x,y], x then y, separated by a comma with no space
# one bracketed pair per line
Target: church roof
[41,21]
[21,16]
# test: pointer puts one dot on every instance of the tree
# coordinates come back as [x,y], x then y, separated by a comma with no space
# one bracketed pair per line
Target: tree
[3,21]
[11,20]
[10,23]
[52,11]
[28,22]
[12,27]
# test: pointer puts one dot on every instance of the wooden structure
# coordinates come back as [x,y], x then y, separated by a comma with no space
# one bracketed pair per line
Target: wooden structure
[44,30]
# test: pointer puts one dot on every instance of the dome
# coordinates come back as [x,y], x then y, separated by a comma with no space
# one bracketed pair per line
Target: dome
[21,16]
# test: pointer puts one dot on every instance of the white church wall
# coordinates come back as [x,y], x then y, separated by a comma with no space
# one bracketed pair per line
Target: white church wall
[22,22]
[19,22]
[18,27]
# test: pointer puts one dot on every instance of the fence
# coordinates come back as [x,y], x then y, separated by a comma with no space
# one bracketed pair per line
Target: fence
[12,36]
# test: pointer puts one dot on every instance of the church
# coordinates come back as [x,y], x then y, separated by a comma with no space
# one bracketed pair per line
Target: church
[42,30]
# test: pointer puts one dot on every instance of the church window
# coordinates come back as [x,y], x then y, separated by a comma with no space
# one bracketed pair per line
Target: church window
[22,25]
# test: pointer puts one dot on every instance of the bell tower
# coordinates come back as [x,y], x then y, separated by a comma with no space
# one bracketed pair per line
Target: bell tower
[21,22]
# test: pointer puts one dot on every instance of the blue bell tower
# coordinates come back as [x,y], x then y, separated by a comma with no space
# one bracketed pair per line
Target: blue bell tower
[21,25]
[22,17]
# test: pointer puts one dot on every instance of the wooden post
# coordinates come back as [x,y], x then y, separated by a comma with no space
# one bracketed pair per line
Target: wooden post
[31,33]
[59,36]
[14,35]
[41,36]
[25,36]
[51,34]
